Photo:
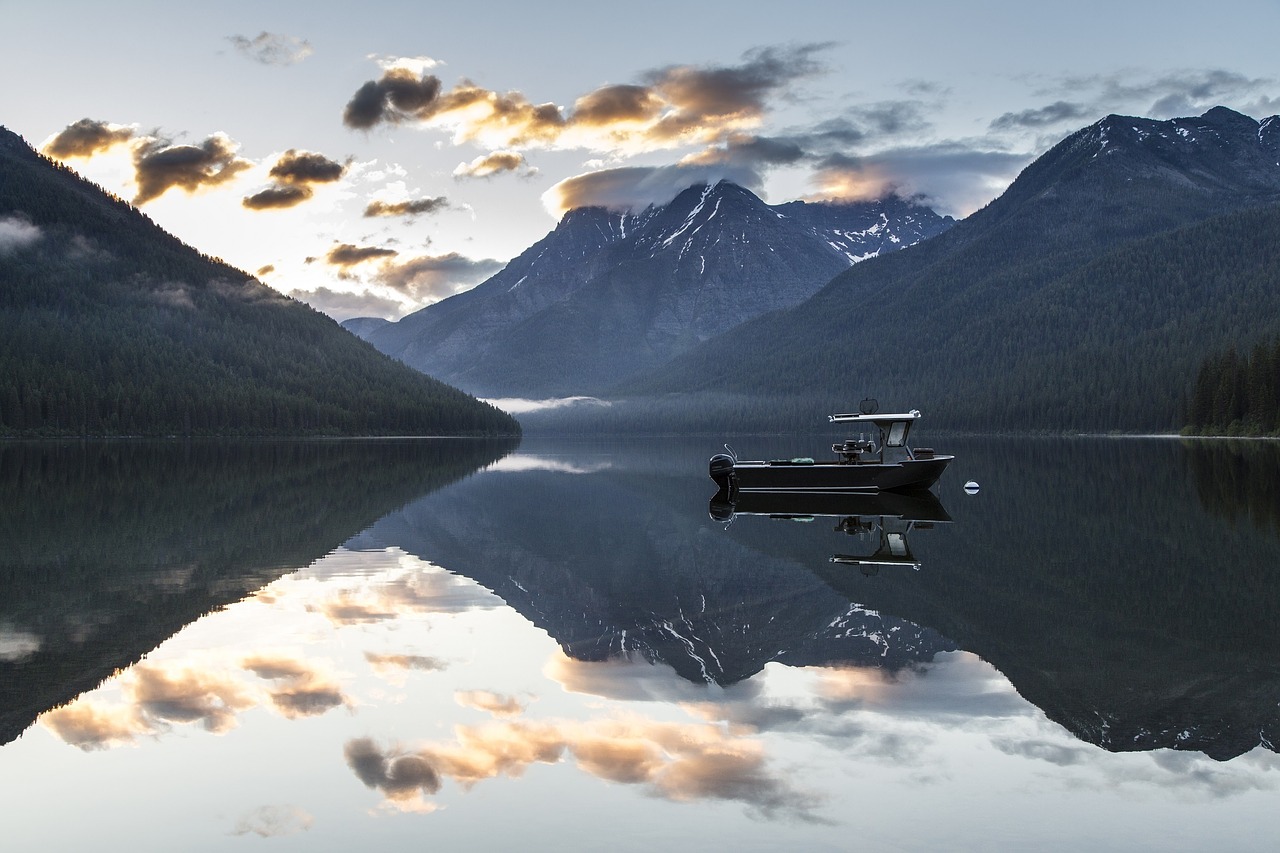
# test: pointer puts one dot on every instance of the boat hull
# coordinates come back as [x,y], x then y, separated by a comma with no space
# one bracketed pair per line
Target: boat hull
[827,477]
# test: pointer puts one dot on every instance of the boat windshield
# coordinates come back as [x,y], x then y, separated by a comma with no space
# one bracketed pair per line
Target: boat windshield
[897,434]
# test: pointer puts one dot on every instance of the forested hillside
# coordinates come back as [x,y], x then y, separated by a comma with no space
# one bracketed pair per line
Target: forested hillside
[1237,394]
[1085,297]
[110,326]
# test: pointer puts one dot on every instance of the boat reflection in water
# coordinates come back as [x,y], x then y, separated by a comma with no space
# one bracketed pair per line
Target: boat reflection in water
[883,519]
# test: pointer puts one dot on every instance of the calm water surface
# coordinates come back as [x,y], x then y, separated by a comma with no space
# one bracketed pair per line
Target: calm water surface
[572,645]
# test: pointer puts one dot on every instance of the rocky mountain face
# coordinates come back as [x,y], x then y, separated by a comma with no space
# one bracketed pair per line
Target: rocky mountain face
[609,293]
[1083,297]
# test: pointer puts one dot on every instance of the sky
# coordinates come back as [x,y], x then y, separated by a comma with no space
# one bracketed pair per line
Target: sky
[373,158]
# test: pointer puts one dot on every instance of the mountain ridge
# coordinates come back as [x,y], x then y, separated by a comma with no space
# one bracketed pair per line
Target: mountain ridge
[111,326]
[945,324]
[609,293]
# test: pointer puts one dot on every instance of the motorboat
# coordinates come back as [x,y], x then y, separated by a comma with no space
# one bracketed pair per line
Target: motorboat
[879,460]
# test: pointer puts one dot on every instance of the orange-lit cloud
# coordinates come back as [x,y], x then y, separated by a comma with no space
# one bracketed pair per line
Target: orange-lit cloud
[278,197]
[490,702]
[679,762]
[433,277]
[497,162]
[85,138]
[409,208]
[294,175]
[160,165]
[347,255]
[672,106]
[417,592]
[158,696]
[299,689]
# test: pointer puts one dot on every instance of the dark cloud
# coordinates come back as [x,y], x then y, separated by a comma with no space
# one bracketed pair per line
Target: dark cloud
[306,167]
[272,48]
[347,255]
[892,118]
[612,104]
[492,164]
[410,208]
[160,166]
[294,173]
[398,95]
[1054,753]
[1180,93]
[85,138]
[636,187]
[1058,111]
[277,197]
[436,276]
[396,775]
[714,95]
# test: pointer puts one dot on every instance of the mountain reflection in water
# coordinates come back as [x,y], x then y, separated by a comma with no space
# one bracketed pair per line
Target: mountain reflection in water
[389,632]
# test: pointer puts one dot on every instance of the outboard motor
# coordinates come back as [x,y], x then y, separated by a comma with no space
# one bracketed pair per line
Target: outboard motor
[721,470]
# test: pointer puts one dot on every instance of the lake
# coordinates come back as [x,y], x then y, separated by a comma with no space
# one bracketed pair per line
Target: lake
[573,645]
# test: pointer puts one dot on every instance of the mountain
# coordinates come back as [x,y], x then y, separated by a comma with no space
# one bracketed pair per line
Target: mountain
[109,326]
[610,293]
[1084,297]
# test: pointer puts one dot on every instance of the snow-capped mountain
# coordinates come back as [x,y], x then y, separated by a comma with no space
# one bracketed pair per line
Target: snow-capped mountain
[609,293]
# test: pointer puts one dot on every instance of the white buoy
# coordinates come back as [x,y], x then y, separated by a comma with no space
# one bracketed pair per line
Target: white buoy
[971,487]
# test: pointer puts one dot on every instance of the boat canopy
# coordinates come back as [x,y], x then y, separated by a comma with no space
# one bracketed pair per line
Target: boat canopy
[893,428]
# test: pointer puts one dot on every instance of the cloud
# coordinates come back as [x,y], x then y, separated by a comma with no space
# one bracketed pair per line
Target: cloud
[158,696]
[274,821]
[266,269]
[16,234]
[161,165]
[394,661]
[272,48]
[343,305]
[490,702]
[418,592]
[278,197]
[85,138]
[407,208]
[300,690]
[347,255]
[954,177]
[637,187]
[435,276]
[1055,113]
[294,174]
[306,167]
[488,165]
[681,762]
[671,106]
[398,95]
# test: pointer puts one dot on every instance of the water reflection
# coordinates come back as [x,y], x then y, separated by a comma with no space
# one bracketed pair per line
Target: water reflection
[109,548]
[885,520]
[571,617]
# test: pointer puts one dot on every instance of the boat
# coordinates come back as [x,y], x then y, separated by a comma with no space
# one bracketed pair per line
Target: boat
[879,460]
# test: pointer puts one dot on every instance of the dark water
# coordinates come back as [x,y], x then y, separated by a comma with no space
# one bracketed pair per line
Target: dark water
[337,643]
